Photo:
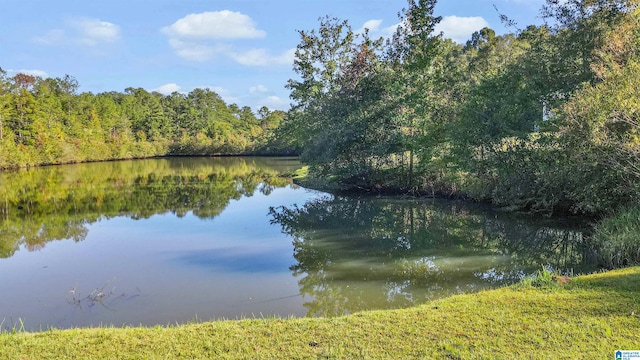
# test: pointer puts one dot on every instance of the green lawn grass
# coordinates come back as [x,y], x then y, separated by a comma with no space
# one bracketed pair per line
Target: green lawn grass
[589,317]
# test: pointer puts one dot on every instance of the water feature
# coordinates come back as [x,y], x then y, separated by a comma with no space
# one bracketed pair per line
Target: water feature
[166,241]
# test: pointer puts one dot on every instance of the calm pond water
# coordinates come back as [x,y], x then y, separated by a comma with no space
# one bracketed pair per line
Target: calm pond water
[167,241]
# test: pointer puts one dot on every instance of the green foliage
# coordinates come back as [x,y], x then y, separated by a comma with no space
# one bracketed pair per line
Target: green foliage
[44,121]
[339,113]
[617,239]
[544,119]
[360,111]
[543,278]
[601,126]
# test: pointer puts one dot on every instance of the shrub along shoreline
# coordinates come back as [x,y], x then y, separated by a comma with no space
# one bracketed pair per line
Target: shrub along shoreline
[617,238]
[584,317]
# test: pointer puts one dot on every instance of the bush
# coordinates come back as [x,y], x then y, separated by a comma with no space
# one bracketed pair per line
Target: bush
[617,239]
[543,278]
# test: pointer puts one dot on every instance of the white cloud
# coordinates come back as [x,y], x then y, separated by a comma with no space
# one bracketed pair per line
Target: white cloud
[261,57]
[258,89]
[215,25]
[389,30]
[262,96]
[53,37]
[373,26]
[254,57]
[94,31]
[274,102]
[454,27]
[375,29]
[459,29]
[204,36]
[32,72]
[193,51]
[83,31]
[167,89]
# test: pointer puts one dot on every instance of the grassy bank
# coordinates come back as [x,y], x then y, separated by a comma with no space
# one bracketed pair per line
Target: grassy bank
[588,317]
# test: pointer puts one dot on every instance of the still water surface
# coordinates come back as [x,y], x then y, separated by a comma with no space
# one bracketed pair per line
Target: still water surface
[167,241]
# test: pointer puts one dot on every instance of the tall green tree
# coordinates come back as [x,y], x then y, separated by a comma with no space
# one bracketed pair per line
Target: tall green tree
[416,55]
[318,60]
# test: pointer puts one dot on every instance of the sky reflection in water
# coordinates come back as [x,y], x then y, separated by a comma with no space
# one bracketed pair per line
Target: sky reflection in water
[167,241]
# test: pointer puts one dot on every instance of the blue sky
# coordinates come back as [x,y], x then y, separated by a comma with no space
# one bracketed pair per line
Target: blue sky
[241,49]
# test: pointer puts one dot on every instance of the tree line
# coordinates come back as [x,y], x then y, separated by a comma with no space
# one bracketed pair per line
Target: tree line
[543,118]
[46,121]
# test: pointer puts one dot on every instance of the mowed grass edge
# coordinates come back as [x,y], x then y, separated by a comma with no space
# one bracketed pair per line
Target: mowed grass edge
[588,317]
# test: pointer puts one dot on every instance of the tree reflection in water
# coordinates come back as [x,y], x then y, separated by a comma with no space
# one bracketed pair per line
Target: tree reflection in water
[57,203]
[365,253]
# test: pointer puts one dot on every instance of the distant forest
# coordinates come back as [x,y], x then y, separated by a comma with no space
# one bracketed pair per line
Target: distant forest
[45,121]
